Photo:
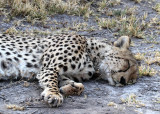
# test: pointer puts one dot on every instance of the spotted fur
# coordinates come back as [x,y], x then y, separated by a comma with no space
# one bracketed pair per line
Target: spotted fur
[60,62]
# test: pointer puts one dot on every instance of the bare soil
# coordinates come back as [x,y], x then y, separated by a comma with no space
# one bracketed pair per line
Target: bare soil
[97,94]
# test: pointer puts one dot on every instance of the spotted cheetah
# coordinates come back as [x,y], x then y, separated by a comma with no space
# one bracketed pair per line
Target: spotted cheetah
[61,61]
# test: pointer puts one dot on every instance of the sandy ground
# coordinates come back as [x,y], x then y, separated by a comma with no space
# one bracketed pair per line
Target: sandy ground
[95,99]
[98,97]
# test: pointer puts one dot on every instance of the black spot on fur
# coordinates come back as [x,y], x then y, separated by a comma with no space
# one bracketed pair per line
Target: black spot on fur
[53,60]
[68,48]
[80,56]
[73,66]
[9,59]
[79,47]
[60,66]
[2,46]
[7,53]
[65,51]
[65,45]
[76,51]
[90,66]
[19,55]
[74,58]
[3,65]
[73,46]
[90,73]
[70,60]
[11,49]
[26,54]
[60,58]
[35,66]
[65,60]
[69,54]
[52,55]
[65,68]
[29,65]
[57,54]
[60,49]
[15,58]
[47,59]
[79,65]
[33,60]
[75,79]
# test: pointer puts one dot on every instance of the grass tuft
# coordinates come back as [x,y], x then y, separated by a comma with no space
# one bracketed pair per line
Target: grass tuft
[139,56]
[11,30]
[15,107]
[146,71]
[107,23]
[40,9]
[132,101]
[34,9]
[137,1]
[157,7]
[154,60]
[130,26]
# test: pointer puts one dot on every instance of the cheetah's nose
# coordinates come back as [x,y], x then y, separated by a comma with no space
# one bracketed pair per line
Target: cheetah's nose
[123,81]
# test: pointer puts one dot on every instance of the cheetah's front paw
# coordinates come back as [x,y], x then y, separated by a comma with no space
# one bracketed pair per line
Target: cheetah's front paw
[53,98]
[72,89]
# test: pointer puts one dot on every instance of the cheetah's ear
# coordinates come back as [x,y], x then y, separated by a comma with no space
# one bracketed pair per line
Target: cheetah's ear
[123,42]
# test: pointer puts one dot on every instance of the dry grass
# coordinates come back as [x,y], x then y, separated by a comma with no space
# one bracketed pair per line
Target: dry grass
[155,23]
[108,3]
[111,104]
[15,107]
[139,56]
[120,21]
[157,7]
[77,26]
[146,71]
[107,23]
[34,9]
[11,30]
[132,101]
[72,7]
[40,9]
[154,60]
[124,21]
[137,1]
[130,26]
[124,12]
[157,100]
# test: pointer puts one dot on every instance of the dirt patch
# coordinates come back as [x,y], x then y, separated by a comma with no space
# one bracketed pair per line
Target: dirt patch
[98,96]
[95,98]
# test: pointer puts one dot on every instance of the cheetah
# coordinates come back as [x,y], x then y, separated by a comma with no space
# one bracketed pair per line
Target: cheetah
[61,62]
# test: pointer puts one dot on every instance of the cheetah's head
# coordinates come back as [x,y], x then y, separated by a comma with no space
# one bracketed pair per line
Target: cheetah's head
[119,66]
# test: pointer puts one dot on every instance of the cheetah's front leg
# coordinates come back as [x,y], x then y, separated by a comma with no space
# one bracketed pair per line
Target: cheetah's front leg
[48,80]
